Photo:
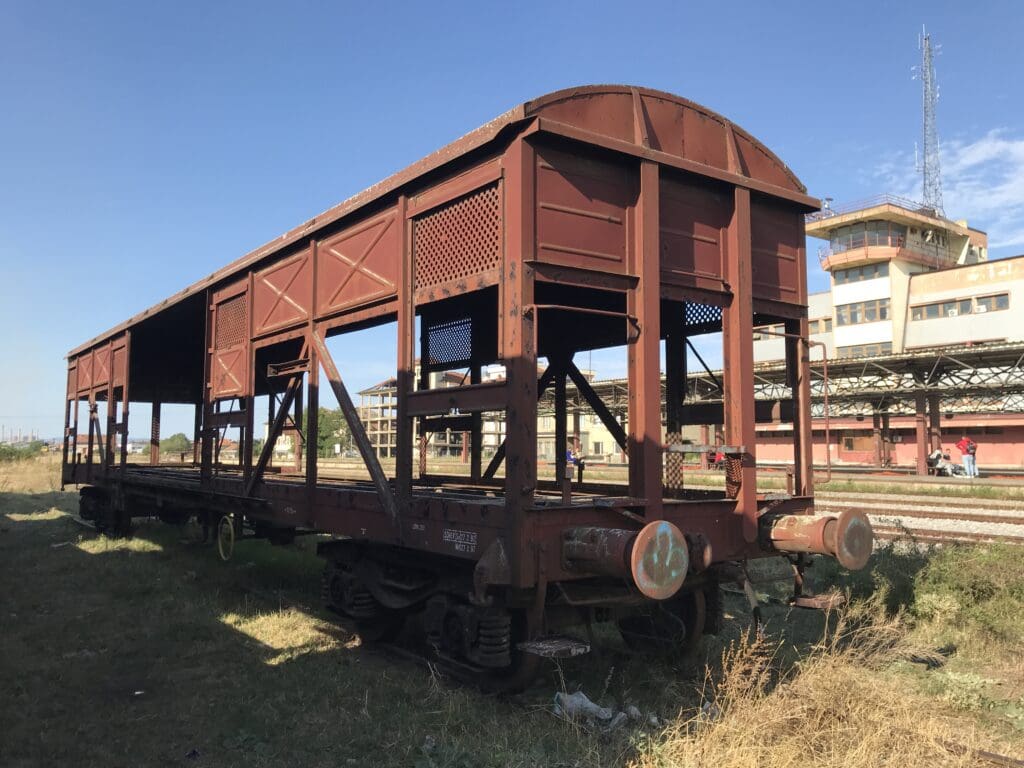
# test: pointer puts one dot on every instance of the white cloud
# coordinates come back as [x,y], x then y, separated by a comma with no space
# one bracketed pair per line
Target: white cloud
[982,181]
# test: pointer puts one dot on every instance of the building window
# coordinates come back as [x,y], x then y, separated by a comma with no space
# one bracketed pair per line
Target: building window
[858,441]
[957,307]
[992,303]
[821,325]
[871,233]
[598,448]
[865,350]
[856,274]
[862,312]
[767,332]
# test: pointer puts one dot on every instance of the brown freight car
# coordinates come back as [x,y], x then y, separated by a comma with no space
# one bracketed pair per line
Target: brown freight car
[589,218]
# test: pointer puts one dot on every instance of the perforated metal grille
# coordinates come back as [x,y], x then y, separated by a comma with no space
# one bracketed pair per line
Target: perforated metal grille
[230,323]
[450,344]
[703,316]
[733,476]
[460,239]
[673,480]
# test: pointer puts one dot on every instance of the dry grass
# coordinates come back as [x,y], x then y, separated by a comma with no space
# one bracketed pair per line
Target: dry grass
[836,707]
[35,475]
[148,651]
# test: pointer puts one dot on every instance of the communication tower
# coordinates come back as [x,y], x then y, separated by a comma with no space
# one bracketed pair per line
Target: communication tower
[930,160]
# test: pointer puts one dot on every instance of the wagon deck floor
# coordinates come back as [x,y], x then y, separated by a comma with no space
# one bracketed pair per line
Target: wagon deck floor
[188,478]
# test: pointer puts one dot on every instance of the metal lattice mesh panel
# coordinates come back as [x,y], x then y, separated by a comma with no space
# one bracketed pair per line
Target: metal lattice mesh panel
[459,239]
[703,315]
[450,344]
[673,480]
[733,476]
[231,323]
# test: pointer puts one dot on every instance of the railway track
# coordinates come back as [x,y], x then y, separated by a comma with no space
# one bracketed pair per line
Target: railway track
[933,519]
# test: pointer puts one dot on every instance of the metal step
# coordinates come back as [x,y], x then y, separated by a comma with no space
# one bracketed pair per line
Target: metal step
[555,647]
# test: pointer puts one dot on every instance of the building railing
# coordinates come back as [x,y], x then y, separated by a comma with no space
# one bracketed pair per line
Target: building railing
[826,252]
[872,202]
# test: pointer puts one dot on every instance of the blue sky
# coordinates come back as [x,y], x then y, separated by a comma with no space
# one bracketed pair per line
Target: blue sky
[143,147]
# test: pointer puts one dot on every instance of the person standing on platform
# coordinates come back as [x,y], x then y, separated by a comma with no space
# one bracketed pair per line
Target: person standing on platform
[968,450]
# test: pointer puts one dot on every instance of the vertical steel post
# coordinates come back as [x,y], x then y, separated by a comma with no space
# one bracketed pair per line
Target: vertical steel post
[424,383]
[476,427]
[206,432]
[675,367]
[313,389]
[804,452]
[798,375]
[934,421]
[312,420]
[108,446]
[154,435]
[197,435]
[886,440]
[675,388]
[644,355]
[297,432]
[517,326]
[126,397]
[92,432]
[561,429]
[69,435]
[248,401]
[738,360]
[406,357]
[921,428]
[876,434]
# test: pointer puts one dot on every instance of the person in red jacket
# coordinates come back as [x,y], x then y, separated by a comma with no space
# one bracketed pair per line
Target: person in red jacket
[968,449]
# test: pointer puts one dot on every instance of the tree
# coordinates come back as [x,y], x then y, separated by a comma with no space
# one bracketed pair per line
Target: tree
[332,428]
[176,443]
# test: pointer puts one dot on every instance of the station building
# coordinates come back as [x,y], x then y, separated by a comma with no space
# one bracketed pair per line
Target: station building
[908,284]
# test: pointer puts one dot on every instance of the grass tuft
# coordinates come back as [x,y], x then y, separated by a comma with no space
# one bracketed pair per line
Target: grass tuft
[833,708]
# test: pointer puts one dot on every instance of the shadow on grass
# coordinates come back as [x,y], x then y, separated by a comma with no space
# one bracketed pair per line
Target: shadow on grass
[151,651]
[890,575]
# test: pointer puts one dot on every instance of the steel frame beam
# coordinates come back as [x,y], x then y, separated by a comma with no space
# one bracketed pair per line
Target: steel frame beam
[738,359]
[644,356]
[517,350]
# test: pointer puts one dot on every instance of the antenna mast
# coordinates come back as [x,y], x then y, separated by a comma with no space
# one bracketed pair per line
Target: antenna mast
[929,96]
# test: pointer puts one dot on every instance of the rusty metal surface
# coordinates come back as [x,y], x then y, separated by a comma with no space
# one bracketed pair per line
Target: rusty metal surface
[659,560]
[596,111]
[848,537]
[589,218]
[555,647]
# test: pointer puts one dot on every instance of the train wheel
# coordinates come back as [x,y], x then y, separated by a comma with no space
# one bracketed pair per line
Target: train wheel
[174,517]
[345,596]
[524,667]
[382,629]
[672,627]
[226,537]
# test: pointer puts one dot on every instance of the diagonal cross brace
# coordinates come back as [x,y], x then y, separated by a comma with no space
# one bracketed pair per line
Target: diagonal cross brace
[595,402]
[286,403]
[355,425]
[545,381]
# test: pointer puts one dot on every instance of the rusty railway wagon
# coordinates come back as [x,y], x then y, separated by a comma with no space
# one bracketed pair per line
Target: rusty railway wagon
[595,217]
